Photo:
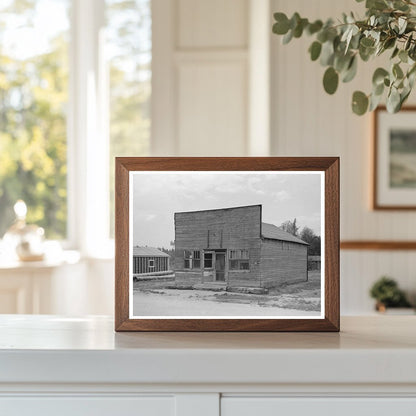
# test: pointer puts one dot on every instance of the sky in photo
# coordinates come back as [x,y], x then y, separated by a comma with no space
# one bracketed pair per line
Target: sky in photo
[157,196]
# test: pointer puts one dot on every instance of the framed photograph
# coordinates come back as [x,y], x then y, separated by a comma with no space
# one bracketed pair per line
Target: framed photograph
[394,179]
[227,244]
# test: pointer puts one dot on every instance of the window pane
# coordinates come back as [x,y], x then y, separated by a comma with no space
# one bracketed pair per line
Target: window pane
[208,260]
[33,100]
[244,265]
[233,264]
[129,51]
[197,264]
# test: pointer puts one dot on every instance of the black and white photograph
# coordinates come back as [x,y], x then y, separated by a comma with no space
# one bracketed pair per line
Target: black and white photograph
[226,244]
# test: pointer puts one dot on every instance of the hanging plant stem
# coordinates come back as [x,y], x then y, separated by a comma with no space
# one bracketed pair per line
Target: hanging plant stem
[389,26]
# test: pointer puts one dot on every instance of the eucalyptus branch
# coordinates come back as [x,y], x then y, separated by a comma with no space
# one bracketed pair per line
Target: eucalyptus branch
[388,25]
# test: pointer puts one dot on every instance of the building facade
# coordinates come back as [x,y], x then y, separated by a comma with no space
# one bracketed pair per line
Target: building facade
[232,247]
[149,261]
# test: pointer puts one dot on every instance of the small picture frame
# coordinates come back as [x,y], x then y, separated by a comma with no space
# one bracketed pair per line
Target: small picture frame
[394,166]
[227,244]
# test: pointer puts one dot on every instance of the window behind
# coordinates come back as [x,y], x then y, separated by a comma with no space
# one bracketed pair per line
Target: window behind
[33,110]
[129,52]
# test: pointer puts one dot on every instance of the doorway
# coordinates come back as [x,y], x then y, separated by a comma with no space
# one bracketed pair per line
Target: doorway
[219,267]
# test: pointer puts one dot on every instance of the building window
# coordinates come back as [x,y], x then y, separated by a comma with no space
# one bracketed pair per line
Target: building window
[151,263]
[239,260]
[192,259]
[187,260]
[196,257]
[207,260]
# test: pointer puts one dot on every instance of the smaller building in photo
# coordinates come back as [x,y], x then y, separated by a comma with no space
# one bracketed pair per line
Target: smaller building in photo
[314,262]
[149,261]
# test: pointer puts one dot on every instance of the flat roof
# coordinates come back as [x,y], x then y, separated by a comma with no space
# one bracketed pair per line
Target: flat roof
[219,209]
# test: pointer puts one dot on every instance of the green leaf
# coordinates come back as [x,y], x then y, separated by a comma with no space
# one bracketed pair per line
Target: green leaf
[397,71]
[315,50]
[378,89]
[374,101]
[367,42]
[294,20]
[393,101]
[389,43]
[359,103]
[366,53]
[327,53]
[322,36]
[330,80]
[400,5]
[314,27]
[351,71]
[395,52]
[376,4]
[288,37]
[404,95]
[403,56]
[298,30]
[281,27]
[379,75]
[342,62]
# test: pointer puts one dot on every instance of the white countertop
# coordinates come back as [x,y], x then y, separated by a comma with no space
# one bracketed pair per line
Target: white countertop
[53,349]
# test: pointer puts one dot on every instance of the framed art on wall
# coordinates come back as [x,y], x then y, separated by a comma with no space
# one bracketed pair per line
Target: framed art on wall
[394,177]
[227,244]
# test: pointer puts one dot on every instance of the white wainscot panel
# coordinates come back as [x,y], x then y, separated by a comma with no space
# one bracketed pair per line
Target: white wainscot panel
[212,108]
[87,406]
[317,406]
[212,24]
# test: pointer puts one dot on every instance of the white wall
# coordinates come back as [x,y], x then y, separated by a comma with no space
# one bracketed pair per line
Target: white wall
[308,122]
[200,77]
[211,95]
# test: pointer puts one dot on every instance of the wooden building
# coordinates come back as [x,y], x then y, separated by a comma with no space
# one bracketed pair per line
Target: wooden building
[232,247]
[149,260]
[314,263]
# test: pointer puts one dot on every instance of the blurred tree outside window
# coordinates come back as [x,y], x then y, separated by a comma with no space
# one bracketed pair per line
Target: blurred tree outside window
[34,90]
[129,51]
[33,102]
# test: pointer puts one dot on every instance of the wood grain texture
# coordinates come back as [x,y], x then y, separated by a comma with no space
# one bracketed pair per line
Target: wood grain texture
[378,245]
[330,165]
[376,204]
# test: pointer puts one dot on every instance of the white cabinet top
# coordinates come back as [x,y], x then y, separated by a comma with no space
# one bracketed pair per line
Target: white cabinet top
[46,349]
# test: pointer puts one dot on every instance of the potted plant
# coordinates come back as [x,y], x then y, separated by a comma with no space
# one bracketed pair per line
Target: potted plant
[389,27]
[387,294]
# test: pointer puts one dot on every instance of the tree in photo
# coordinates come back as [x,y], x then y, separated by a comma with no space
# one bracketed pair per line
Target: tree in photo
[290,227]
[314,241]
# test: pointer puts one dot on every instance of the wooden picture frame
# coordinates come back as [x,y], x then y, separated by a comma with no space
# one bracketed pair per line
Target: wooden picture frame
[391,176]
[132,167]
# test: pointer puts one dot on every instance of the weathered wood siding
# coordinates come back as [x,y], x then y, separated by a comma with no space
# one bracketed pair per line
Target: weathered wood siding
[235,228]
[283,262]
[141,264]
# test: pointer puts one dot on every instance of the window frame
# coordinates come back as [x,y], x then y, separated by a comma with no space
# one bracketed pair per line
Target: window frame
[87,133]
[239,257]
[189,256]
